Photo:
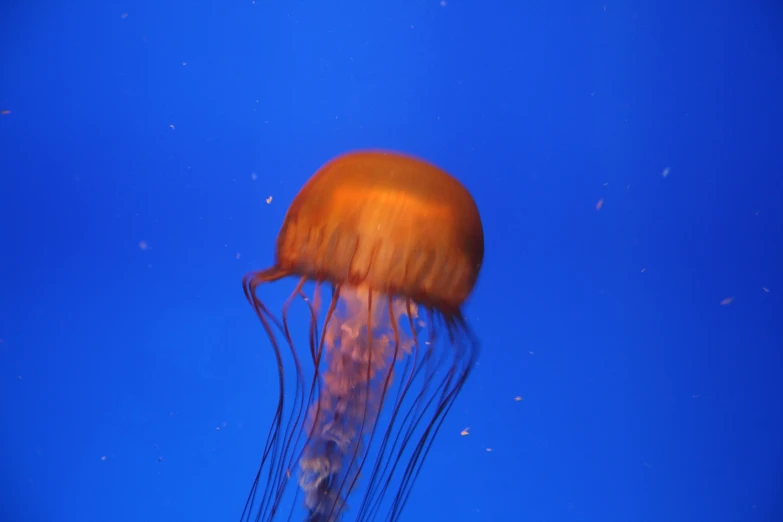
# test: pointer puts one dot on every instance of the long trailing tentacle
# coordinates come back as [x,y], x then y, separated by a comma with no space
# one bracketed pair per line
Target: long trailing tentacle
[427,370]
[424,416]
[250,284]
[465,355]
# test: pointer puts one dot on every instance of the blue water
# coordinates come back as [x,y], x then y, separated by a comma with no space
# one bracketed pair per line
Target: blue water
[626,159]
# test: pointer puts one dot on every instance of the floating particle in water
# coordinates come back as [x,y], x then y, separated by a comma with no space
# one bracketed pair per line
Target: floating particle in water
[466,431]
[665,172]
[727,301]
[599,204]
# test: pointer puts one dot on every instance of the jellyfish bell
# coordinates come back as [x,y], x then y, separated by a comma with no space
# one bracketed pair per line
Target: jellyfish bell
[392,247]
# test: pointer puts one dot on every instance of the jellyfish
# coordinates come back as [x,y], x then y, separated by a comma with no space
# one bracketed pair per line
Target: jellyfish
[385,248]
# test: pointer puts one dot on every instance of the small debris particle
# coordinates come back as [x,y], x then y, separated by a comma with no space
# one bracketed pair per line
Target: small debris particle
[253,176]
[5,112]
[171,126]
[665,172]
[103,458]
[143,245]
[466,431]
[765,289]
[269,200]
[599,204]
[643,270]
[489,450]
[727,301]
[517,398]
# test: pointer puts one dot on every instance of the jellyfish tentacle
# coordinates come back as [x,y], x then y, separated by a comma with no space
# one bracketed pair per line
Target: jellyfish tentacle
[284,456]
[250,285]
[464,359]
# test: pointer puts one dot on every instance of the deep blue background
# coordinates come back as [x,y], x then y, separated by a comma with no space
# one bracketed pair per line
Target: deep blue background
[644,398]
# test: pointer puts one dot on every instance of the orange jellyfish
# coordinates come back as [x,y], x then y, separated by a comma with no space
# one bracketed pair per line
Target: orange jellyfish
[386,249]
